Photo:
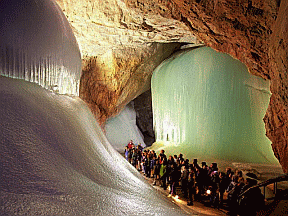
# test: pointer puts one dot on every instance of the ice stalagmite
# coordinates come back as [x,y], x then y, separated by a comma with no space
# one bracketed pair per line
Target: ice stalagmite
[209,106]
[122,128]
[38,45]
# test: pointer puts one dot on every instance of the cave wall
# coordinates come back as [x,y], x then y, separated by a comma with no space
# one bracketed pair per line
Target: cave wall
[276,118]
[144,116]
[112,80]
[253,31]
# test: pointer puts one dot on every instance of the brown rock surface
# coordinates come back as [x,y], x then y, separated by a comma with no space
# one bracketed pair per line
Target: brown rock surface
[255,32]
[276,118]
[111,80]
[114,35]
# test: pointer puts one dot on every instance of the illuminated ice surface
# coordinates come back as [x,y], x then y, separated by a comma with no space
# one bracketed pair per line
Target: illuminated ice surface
[206,105]
[55,160]
[38,45]
[121,129]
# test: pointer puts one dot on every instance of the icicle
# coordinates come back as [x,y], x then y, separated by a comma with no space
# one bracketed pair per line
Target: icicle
[37,44]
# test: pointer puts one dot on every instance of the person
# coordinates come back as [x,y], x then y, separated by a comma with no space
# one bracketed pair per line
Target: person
[156,171]
[233,193]
[139,158]
[184,180]
[162,155]
[190,186]
[214,183]
[130,153]
[180,157]
[253,200]
[140,147]
[147,163]
[152,165]
[175,159]
[173,179]
[130,144]
[126,152]
[134,157]
[163,173]
[201,177]
[223,184]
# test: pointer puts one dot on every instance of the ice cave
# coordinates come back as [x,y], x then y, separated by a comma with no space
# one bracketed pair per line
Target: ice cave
[56,158]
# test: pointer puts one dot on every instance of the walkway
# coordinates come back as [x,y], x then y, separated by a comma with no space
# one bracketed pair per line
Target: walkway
[197,209]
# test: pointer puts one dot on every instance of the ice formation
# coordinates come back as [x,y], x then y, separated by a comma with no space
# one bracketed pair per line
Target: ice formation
[54,157]
[37,44]
[55,160]
[122,128]
[208,106]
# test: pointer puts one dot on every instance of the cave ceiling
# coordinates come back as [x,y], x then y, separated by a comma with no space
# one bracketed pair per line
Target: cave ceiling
[122,42]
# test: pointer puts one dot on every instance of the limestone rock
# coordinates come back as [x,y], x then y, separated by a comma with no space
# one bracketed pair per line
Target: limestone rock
[111,80]
[118,44]
[109,24]
[255,32]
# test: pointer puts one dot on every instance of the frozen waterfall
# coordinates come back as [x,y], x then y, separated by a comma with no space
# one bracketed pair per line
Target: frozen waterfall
[37,44]
[208,106]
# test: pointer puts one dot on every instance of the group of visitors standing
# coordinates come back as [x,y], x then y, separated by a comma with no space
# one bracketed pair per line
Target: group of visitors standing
[197,182]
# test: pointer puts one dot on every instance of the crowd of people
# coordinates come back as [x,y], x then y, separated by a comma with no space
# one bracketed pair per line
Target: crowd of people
[198,182]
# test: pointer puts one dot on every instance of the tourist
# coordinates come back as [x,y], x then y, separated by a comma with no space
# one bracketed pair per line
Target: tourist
[191,186]
[173,179]
[156,171]
[163,173]
[184,180]
[253,200]
[126,152]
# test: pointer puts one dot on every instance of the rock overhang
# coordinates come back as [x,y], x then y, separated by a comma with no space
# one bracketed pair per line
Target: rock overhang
[251,31]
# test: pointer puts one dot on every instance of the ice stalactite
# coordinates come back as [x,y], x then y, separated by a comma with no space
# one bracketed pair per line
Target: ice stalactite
[208,105]
[122,128]
[37,44]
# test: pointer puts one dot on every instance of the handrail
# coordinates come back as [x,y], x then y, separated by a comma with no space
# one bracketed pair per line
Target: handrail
[267,182]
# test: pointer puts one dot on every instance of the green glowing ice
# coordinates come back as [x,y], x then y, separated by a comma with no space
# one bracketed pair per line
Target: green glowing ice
[207,105]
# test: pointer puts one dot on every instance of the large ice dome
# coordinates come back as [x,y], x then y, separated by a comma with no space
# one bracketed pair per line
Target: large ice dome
[37,44]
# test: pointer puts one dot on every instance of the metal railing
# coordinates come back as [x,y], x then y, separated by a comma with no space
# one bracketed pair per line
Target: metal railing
[264,184]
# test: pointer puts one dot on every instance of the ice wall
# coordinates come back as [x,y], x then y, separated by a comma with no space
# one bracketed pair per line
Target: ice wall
[37,44]
[208,106]
[122,128]
[55,160]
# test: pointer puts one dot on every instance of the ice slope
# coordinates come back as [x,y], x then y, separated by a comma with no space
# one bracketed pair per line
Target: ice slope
[55,160]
